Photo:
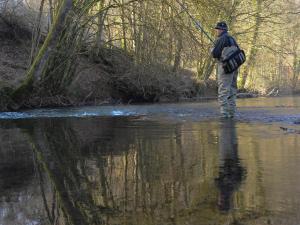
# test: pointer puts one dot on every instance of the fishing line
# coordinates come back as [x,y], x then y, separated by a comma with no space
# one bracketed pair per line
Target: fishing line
[196,22]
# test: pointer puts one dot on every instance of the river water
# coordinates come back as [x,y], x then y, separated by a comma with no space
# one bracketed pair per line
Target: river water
[152,164]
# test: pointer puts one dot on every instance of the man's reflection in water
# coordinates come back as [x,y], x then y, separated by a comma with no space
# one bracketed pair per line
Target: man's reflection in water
[231,173]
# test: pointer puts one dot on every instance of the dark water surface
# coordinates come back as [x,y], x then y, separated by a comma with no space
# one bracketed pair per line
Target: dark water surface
[152,165]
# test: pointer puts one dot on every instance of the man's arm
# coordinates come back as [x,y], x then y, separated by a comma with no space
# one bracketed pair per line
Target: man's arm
[217,50]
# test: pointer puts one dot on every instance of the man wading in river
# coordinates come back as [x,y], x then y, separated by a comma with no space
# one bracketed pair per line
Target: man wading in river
[227,82]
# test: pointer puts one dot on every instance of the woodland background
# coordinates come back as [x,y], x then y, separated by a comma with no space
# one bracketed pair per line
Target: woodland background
[76,52]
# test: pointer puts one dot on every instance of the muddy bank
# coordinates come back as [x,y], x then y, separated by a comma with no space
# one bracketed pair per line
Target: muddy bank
[110,78]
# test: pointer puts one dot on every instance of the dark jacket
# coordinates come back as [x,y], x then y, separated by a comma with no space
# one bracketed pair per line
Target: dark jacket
[224,40]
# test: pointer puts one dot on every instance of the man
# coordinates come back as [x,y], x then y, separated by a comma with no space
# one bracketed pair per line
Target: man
[227,82]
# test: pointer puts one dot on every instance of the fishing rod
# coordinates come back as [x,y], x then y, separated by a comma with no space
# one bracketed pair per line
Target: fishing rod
[196,22]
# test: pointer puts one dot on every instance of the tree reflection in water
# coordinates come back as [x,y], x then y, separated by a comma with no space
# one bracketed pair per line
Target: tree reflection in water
[58,153]
[115,171]
[106,174]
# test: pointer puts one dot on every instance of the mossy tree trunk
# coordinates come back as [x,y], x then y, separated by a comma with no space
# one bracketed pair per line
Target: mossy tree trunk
[53,65]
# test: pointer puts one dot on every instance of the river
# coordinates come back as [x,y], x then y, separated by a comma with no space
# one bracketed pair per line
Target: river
[152,164]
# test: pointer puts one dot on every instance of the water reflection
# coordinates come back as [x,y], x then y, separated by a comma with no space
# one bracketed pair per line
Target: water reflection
[231,172]
[113,170]
[129,171]
[61,155]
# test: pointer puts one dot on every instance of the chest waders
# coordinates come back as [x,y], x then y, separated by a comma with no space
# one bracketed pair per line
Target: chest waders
[227,90]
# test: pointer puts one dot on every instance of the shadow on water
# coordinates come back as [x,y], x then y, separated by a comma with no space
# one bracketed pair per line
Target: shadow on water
[125,170]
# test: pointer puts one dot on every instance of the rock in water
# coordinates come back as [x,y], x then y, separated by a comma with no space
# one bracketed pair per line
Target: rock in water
[289,130]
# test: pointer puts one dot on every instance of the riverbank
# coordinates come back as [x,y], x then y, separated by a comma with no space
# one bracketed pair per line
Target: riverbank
[110,78]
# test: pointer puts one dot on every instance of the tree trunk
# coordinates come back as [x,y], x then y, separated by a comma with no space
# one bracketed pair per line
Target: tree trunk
[99,39]
[296,63]
[51,15]
[205,68]
[37,32]
[253,50]
[177,58]
[123,26]
[48,50]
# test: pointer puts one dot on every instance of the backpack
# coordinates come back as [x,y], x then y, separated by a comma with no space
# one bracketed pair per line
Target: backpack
[232,57]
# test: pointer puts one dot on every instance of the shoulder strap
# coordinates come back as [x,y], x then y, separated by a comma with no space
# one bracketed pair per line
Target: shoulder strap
[233,42]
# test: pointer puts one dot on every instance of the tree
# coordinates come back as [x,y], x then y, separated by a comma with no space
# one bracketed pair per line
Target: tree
[45,65]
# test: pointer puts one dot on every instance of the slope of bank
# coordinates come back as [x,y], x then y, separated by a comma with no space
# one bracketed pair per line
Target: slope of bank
[110,78]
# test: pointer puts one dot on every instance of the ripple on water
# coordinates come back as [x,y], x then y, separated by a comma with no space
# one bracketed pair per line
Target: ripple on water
[248,111]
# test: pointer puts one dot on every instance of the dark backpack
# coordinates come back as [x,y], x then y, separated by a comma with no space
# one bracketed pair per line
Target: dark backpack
[232,57]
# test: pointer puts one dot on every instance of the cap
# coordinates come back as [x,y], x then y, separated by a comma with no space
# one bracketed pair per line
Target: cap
[221,26]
